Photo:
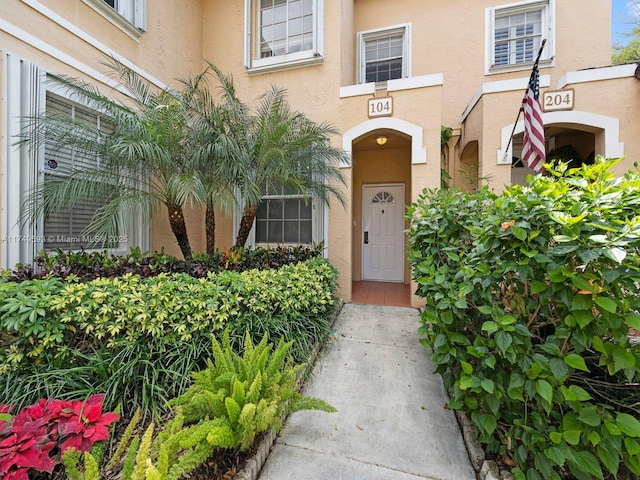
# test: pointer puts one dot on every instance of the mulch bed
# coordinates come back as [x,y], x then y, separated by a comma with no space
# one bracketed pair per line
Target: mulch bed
[223,465]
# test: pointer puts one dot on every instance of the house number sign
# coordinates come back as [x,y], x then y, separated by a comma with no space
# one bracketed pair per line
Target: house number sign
[380,107]
[557,100]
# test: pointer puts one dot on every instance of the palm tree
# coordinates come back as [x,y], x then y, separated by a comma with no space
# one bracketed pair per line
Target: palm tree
[173,148]
[275,148]
[217,125]
[151,154]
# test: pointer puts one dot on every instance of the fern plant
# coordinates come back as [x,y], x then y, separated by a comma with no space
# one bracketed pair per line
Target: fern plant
[235,398]
[244,395]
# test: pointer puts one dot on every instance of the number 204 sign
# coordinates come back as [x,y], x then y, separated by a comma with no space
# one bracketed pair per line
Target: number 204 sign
[380,107]
[557,100]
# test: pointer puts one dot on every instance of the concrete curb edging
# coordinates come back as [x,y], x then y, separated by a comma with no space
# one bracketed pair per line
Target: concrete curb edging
[485,469]
[254,464]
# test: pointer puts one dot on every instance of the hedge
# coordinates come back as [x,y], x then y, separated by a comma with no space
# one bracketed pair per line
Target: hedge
[137,338]
[531,298]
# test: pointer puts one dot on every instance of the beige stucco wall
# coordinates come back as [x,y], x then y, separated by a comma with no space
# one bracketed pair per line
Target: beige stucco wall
[166,50]
[617,99]
[449,37]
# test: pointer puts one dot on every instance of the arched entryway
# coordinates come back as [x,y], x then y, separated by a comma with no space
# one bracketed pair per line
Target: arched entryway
[571,136]
[382,152]
[567,143]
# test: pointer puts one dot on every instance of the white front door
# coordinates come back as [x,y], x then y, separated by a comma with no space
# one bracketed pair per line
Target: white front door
[382,233]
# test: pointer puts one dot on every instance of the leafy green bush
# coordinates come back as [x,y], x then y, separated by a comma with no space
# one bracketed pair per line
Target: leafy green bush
[531,297]
[137,339]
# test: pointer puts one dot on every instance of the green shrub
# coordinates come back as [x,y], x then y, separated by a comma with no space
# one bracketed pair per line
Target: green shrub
[530,299]
[137,339]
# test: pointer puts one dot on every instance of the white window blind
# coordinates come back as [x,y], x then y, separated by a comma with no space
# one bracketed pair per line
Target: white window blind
[64,228]
[282,33]
[384,54]
[515,35]
[518,37]
[286,26]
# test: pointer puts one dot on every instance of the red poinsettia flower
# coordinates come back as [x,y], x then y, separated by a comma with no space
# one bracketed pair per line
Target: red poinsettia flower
[27,447]
[87,426]
[29,440]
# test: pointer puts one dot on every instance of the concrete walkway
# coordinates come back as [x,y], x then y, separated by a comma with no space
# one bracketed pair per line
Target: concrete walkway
[391,422]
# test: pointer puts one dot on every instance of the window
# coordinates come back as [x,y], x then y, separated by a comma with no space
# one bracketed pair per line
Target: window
[384,54]
[517,32]
[129,9]
[128,15]
[284,219]
[282,33]
[29,92]
[64,229]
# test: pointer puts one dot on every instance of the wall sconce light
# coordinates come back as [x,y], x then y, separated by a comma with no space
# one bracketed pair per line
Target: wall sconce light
[381,139]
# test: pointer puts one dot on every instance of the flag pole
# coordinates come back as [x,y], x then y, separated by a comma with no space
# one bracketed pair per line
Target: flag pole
[533,69]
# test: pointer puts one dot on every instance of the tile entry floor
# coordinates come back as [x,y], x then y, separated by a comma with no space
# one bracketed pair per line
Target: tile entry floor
[381,293]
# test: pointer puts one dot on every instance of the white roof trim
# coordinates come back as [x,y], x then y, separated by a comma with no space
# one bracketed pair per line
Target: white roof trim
[502,86]
[70,27]
[597,74]
[415,82]
[356,90]
[59,55]
[614,148]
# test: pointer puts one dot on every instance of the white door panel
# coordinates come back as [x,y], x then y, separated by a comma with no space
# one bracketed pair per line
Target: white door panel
[382,235]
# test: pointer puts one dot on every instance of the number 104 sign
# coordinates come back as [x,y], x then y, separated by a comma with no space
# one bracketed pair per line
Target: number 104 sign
[380,107]
[557,100]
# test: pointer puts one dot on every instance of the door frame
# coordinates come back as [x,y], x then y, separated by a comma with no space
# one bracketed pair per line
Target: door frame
[364,207]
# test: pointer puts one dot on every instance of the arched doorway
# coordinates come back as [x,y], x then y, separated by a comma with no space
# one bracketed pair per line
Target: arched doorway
[563,143]
[383,151]
[567,134]
[381,191]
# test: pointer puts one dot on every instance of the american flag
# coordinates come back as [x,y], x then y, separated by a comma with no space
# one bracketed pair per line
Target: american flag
[533,140]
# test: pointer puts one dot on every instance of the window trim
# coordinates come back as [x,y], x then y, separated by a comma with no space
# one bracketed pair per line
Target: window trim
[319,221]
[254,64]
[135,27]
[363,36]
[24,84]
[314,218]
[548,31]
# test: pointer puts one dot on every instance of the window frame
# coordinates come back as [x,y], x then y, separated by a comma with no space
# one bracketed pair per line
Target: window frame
[319,221]
[24,85]
[45,170]
[118,16]
[366,35]
[547,30]
[314,227]
[255,64]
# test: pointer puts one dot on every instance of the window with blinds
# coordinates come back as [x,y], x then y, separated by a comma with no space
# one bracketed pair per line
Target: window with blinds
[517,32]
[282,33]
[65,228]
[517,37]
[286,26]
[384,54]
